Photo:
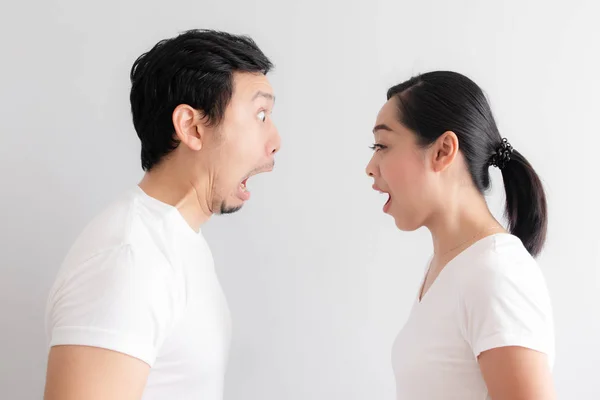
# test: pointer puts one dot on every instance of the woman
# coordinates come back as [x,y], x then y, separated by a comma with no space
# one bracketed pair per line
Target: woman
[481,326]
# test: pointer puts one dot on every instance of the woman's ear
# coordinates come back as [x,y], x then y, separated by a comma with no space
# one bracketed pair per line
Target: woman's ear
[445,149]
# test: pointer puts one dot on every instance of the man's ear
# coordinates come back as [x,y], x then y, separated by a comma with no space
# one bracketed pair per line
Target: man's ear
[189,126]
[445,149]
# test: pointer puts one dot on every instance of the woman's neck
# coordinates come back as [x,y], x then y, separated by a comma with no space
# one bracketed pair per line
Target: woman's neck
[459,223]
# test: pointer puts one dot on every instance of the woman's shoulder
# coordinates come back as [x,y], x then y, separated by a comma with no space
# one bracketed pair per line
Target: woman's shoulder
[497,263]
[503,298]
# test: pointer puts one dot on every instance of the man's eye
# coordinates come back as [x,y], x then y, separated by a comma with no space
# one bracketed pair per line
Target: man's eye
[262,116]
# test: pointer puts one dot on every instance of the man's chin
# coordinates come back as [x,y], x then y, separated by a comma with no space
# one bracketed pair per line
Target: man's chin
[230,209]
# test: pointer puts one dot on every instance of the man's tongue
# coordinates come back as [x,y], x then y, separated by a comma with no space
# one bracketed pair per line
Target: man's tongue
[243,192]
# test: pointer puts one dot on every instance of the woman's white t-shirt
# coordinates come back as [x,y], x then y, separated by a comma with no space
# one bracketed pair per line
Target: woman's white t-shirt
[491,295]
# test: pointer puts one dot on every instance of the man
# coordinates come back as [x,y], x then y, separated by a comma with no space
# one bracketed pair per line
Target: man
[136,310]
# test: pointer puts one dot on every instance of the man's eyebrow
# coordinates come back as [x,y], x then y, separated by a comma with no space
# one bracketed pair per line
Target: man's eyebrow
[266,95]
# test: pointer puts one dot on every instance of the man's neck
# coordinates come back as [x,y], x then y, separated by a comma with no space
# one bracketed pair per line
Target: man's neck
[167,186]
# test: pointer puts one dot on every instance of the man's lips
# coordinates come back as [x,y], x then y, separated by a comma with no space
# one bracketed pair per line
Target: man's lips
[243,192]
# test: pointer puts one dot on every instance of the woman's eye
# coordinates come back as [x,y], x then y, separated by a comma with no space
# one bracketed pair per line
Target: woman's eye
[377,147]
[262,116]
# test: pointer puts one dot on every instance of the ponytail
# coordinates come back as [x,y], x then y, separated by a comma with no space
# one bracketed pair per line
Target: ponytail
[526,208]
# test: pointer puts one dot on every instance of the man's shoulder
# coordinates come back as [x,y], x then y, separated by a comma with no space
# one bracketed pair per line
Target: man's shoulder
[125,222]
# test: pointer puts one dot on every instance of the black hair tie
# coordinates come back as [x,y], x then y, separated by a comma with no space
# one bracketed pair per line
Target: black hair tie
[502,155]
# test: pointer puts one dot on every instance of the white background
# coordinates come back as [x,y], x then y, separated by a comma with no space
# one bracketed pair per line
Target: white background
[318,279]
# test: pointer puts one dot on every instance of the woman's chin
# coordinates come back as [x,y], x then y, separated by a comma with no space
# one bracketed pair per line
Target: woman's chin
[406,224]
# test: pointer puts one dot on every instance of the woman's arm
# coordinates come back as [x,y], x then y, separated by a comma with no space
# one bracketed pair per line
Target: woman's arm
[516,373]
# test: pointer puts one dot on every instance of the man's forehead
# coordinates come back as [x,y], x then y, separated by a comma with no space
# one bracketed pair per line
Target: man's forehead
[254,85]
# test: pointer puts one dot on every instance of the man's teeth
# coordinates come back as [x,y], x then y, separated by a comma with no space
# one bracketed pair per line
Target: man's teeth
[243,185]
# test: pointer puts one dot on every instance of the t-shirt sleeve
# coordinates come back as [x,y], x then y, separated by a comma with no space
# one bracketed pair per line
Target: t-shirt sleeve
[507,304]
[116,300]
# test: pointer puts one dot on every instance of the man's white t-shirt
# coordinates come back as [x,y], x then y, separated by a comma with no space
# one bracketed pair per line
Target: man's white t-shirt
[140,281]
[491,295]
